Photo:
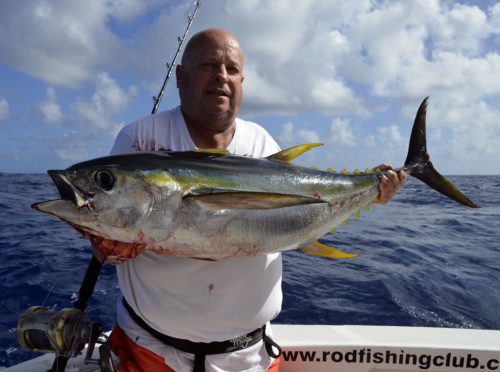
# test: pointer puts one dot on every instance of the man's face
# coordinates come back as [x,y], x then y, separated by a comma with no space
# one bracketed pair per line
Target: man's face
[210,80]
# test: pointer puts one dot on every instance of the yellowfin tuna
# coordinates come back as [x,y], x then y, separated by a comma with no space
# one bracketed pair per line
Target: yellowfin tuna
[214,205]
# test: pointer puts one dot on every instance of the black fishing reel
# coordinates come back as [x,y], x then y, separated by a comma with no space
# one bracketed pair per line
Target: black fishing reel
[64,333]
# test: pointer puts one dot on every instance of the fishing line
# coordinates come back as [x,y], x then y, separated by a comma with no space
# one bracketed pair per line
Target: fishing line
[48,294]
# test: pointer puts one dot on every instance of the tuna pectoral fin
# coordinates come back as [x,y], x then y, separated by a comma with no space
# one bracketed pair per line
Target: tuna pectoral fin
[250,200]
[322,250]
[419,165]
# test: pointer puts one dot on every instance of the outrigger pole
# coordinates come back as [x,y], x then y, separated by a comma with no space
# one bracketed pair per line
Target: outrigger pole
[170,65]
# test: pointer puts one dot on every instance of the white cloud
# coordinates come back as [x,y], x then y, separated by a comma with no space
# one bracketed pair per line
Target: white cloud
[64,42]
[50,108]
[461,29]
[494,13]
[290,136]
[125,9]
[476,129]
[331,96]
[390,134]
[288,28]
[340,134]
[4,109]
[262,95]
[308,136]
[108,99]
[287,136]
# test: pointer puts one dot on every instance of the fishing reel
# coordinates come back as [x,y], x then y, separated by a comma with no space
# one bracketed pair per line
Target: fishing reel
[63,332]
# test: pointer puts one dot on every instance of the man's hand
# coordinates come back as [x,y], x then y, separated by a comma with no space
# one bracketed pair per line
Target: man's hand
[390,183]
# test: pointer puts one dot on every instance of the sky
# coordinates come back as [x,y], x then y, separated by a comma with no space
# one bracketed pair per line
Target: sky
[348,74]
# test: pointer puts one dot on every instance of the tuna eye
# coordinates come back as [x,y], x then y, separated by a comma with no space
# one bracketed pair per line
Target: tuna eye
[104,179]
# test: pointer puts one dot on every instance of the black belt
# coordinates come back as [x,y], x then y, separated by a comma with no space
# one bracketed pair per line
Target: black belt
[202,349]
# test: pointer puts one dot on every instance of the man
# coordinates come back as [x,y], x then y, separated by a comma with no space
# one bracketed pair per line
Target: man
[192,300]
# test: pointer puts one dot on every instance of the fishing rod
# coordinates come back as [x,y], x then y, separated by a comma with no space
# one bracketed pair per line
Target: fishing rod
[170,65]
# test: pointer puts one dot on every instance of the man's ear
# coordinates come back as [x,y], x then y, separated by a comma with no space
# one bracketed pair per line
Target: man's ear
[179,70]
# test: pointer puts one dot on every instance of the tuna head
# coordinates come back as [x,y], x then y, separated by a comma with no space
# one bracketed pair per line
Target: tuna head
[112,203]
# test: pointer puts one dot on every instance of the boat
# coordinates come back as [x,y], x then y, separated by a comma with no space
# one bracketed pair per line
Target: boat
[357,348]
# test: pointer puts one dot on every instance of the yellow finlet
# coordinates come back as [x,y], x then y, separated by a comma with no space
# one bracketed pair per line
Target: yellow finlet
[345,222]
[357,214]
[330,170]
[356,171]
[322,250]
[366,207]
[333,230]
[344,171]
[368,171]
[293,152]
[314,167]
[378,169]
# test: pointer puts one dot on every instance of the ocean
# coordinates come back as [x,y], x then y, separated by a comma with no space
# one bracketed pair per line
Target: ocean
[423,261]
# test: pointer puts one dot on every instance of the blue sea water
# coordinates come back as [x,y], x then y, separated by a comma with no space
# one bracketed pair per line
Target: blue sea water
[424,261]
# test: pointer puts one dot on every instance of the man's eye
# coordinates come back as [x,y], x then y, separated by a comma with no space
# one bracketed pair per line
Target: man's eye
[206,67]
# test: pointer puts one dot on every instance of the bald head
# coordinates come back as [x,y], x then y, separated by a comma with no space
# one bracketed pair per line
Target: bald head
[209,36]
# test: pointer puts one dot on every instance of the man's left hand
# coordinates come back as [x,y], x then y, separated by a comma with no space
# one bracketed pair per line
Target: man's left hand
[390,183]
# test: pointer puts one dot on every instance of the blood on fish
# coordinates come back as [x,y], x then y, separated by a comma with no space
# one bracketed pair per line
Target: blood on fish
[112,251]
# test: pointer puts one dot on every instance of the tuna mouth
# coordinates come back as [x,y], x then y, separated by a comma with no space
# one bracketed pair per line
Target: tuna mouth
[68,191]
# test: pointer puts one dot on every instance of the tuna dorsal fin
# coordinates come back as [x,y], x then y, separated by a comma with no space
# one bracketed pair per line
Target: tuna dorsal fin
[291,153]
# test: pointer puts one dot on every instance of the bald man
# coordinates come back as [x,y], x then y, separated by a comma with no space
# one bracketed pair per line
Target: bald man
[182,314]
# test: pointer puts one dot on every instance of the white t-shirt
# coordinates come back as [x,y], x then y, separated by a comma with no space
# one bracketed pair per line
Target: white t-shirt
[192,299]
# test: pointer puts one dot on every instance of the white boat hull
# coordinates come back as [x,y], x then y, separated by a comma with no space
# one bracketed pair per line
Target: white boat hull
[383,348]
[318,348]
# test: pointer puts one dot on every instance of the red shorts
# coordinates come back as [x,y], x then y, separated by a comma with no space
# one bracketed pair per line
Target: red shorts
[135,358]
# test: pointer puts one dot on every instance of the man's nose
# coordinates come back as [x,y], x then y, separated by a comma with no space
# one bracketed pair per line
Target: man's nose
[221,73]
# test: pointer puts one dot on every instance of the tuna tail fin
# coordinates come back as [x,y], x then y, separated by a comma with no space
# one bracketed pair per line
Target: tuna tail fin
[419,165]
